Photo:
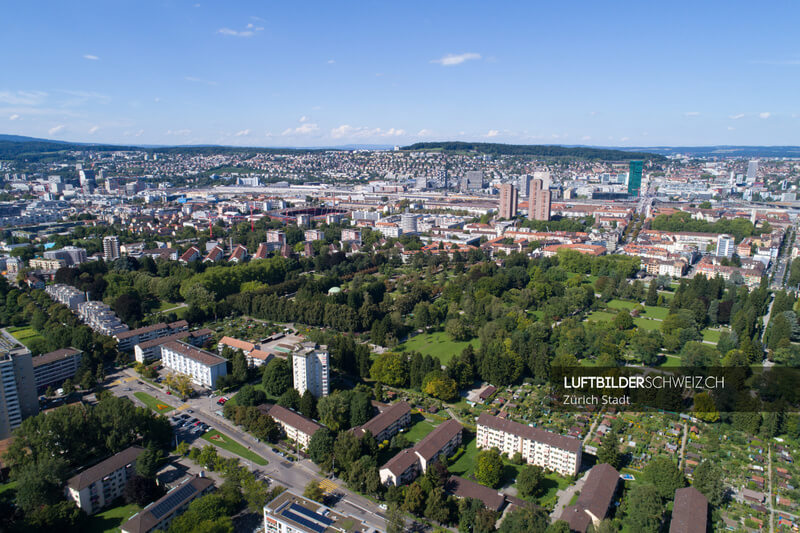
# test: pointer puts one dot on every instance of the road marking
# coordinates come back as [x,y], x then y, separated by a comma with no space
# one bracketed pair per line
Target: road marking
[182,407]
[328,486]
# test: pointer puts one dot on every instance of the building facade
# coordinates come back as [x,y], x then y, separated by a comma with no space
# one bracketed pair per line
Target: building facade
[204,368]
[634,177]
[725,246]
[99,485]
[508,201]
[311,369]
[296,427]
[160,514]
[111,247]
[52,369]
[291,513]
[18,398]
[539,201]
[538,447]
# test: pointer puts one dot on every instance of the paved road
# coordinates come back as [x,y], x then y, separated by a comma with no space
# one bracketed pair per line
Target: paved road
[293,475]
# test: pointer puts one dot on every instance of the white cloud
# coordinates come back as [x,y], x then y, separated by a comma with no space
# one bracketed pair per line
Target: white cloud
[29,98]
[249,31]
[194,79]
[306,128]
[586,138]
[493,133]
[424,133]
[592,113]
[15,116]
[765,114]
[731,128]
[692,114]
[242,133]
[331,61]
[361,132]
[304,119]
[623,139]
[93,129]
[737,116]
[455,59]
[55,129]
[91,57]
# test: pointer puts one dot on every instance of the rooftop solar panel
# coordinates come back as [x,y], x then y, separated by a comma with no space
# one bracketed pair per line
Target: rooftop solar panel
[311,514]
[172,500]
[304,521]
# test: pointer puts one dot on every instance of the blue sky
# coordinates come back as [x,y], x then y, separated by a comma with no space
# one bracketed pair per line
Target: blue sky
[334,73]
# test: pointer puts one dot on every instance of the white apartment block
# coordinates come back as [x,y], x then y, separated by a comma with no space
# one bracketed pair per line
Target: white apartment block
[296,427]
[126,340]
[66,294]
[101,318]
[204,368]
[291,513]
[99,485]
[39,263]
[18,399]
[310,365]
[538,447]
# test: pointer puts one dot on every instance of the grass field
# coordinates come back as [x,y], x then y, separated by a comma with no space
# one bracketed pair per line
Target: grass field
[653,311]
[601,316]
[646,324]
[153,403]
[25,335]
[419,429]
[465,464]
[111,519]
[671,361]
[551,483]
[226,443]
[621,304]
[437,344]
[711,335]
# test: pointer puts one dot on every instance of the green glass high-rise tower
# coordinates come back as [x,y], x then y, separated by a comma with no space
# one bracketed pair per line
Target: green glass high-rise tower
[634,177]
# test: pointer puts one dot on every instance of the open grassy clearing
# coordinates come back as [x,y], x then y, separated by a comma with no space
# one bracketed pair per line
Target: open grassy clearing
[153,403]
[226,443]
[437,344]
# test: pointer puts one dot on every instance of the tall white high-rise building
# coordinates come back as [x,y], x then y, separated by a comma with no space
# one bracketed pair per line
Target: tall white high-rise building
[752,171]
[408,223]
[311,369]
[111,247]
[725,246]
[18,399]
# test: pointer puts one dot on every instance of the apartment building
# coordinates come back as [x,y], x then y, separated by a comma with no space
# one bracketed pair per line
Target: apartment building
[539,447]
[111,248]
[38,263]
[18,399]
[388,423]
[409,463]
[71,255]
[52,369]
[147,351]
[595,499]
[160,514]
[127,340]
[296,427]
[311,369]
[99,485]
[204,368]
[66,294]
[291,513]
[101,318]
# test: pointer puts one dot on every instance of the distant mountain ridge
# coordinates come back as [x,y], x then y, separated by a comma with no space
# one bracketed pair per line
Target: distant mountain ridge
[20,146]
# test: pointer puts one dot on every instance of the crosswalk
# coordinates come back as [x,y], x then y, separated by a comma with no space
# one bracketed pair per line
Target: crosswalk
[182,407]
[122,380]
[328,486]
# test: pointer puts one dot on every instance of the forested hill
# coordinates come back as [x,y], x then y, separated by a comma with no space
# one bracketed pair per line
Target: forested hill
[547,150]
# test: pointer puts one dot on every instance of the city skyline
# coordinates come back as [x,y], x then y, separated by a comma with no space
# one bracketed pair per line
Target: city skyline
[179,73]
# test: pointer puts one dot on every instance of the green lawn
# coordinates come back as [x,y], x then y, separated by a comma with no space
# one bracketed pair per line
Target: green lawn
[621,304]
[671,361]
[25,335]
[653,311]
[465,464]
[419,429]
[711,335]
[646,324]
[111,519]
[153,403]
[226,443]
[551,483]
[601,316]
[437,344]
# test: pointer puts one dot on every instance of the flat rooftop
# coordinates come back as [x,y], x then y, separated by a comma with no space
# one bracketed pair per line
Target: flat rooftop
[309,516]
